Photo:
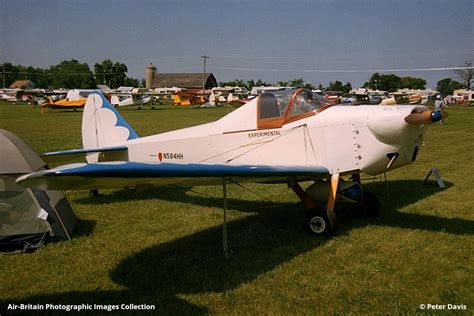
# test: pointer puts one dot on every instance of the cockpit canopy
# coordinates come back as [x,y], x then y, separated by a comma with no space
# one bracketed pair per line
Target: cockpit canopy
[277,108]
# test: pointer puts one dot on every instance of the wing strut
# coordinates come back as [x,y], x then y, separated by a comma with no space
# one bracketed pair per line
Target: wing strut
[332,199]
[224,225]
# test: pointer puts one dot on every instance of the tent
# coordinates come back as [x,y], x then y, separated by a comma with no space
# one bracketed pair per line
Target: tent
[28,217]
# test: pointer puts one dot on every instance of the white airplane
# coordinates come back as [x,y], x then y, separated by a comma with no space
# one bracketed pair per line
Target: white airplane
[287,136]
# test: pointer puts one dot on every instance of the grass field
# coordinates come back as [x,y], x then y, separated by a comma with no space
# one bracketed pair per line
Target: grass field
[163,246]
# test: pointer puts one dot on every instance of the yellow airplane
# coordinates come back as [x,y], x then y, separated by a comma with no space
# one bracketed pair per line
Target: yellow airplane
[74,99]
[187,98]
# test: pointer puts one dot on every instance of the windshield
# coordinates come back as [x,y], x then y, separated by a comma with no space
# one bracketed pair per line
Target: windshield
[302,101]
[277,108]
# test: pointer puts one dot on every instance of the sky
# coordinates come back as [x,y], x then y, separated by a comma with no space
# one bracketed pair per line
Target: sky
[319,41]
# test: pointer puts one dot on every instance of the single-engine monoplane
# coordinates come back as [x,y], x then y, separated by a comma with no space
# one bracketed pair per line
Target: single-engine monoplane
[289,136]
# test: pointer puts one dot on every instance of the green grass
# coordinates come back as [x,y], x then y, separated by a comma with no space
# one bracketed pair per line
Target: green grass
[163,246]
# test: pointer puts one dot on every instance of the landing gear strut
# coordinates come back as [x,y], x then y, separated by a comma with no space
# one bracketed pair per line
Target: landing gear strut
[319,221]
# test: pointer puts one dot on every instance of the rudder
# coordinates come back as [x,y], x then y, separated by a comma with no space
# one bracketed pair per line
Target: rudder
[102,125]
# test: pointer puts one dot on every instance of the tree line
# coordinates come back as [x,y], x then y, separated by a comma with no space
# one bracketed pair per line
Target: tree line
[377,81]
[384,82]
[70,74]
[249,84]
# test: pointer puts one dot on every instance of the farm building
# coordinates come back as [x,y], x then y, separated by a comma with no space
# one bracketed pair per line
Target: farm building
[184,80]
[22,84]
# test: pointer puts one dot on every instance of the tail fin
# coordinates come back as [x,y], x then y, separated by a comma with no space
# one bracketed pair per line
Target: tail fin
[102,125]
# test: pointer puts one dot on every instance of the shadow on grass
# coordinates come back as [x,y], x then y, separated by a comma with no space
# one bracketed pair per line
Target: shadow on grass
[261,242]
[84,227]
[402,194]
[393,196]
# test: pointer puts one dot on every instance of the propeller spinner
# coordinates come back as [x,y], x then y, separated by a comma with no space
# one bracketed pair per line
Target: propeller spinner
[426,117]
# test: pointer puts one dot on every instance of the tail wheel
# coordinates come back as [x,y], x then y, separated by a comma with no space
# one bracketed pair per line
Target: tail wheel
[318,222]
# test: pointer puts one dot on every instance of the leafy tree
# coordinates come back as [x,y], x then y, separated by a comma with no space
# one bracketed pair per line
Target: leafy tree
[131,82]
[309,86]
[297,82]
[110,73]
[388,83]
[413,83]
[11,73]
[447,86]
[72,74]
[466,75]
[235,83]
[260,83]
[249,84]
[347,87]
[338,86]
[40,77]
[335,86]
[393,82]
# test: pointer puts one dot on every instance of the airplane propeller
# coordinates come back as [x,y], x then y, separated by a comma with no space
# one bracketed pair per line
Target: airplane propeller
[426,117]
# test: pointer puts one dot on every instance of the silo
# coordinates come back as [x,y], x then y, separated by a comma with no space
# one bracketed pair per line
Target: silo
[150,73]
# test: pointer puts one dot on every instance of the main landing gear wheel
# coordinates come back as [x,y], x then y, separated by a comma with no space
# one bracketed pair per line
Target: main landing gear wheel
[368,206]
[318,222]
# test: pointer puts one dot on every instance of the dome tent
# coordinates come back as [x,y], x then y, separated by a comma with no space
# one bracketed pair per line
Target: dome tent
[28,217]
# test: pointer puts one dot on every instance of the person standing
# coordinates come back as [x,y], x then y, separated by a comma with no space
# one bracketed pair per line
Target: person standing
[438,103]
[438,106]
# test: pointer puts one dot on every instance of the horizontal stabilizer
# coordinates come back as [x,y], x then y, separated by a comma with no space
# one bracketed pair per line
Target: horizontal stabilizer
[134,174]
[55,156]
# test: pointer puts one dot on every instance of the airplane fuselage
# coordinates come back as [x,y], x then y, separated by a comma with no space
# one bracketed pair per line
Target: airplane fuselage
[344,139]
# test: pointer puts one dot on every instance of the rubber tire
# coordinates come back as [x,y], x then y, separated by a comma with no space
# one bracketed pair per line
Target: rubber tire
[317,222]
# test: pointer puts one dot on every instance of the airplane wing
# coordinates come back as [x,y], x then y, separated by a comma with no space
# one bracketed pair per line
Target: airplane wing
[133,174]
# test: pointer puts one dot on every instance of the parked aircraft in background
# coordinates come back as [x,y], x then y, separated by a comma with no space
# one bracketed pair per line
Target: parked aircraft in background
[119,100]
[75,99]
[189,98]
[8,96]
[402,99]
[288,136]
[233,96]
